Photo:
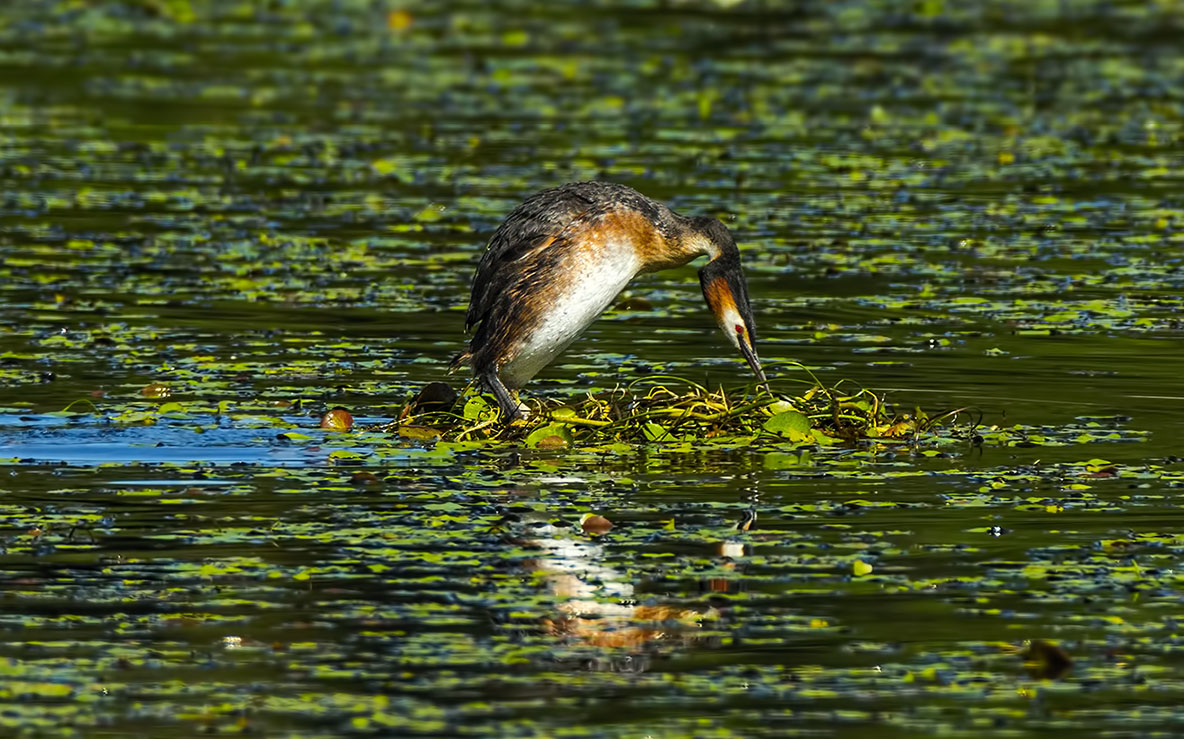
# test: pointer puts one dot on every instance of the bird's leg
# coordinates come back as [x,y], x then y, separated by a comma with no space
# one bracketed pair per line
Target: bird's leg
[509,404]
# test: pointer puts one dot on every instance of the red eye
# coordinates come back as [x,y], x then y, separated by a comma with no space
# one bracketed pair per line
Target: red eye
[739,329]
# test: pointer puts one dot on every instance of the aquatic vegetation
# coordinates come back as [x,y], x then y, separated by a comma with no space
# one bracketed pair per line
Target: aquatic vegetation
[227,228]
[673,409]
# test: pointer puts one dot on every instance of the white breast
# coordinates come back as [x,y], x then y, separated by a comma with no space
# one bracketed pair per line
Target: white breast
[592,282]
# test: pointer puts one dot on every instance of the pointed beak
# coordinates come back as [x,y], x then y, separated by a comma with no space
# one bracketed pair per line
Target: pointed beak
[727,296]
[749,353]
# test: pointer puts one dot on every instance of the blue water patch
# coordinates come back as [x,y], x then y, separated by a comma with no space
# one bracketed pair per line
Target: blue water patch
[95,440]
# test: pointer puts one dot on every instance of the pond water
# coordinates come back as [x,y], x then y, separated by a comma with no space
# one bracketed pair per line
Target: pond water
[220,219]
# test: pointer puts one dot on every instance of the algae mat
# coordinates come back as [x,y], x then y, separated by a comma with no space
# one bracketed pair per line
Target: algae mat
[219,220]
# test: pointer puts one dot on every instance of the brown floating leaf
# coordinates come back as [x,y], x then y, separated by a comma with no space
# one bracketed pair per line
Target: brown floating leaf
[156,390]
[338,419]
[717,585]
[1046,661]
[433,397]
[594,524]
[363,478]
[552,442]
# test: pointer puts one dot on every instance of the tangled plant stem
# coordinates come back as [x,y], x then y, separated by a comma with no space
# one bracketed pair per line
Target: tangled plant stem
[666,408]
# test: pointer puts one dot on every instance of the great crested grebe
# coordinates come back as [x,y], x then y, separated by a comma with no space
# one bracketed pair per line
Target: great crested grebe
[562,256]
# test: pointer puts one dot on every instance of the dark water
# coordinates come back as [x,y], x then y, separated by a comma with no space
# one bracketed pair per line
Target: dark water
[272,209]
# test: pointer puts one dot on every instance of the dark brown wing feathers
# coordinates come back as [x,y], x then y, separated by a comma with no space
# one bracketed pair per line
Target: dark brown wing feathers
[533,225]
[492,273]
[524,253]
[540,221]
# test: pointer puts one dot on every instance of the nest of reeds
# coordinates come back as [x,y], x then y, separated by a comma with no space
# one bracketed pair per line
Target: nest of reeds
[666,408]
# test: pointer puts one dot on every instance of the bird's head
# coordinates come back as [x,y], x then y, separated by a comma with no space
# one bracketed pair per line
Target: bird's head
[724,289]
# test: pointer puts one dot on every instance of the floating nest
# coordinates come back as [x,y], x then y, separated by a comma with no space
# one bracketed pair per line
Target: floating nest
[669,409]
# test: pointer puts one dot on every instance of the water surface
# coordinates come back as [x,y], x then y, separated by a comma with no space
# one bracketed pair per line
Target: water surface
[219,220]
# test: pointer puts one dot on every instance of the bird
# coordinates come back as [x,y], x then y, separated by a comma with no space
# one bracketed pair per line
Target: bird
[560,259]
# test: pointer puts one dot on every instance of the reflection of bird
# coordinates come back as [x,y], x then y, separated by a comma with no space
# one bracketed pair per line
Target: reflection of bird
[561,257]
[747,522]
